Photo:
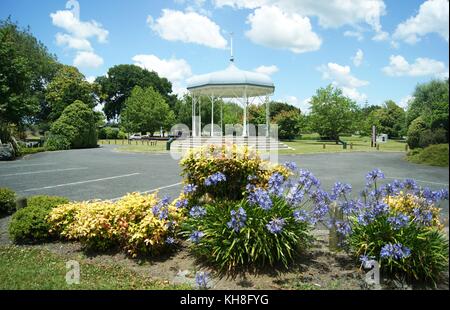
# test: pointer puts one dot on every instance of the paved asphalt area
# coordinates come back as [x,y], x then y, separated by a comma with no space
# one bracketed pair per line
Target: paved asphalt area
[104,173]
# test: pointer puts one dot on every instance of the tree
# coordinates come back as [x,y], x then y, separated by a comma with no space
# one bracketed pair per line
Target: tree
[77,124]
[415,130]
[118,84]
[26,67]
[68,86]
[288,124]
[430,101]
[389,119]
[331,112]
[146,111]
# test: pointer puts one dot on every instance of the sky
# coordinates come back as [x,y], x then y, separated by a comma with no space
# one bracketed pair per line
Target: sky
[374,50]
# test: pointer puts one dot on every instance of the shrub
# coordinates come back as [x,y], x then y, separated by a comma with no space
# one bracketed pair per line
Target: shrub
[56,143]
[415,129]
[237,164]
[30,224]
[31,150]
[429,137]
[397,225]
[267,227]
[77,125]
[434,155]
[138,223]
[7,201]
[288,124]
[122,135]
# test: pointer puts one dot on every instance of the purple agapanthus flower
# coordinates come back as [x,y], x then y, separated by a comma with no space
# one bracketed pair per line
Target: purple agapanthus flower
[374,175]
[202,279]
[301,216]
[295,195]
[399,221]
[182,203]
[238,219]
[215,178]
[190,188]
[291,166]
[170,240]
[197,212]
[276,181]
[395,251]
[340,189]
[196,236]
[261,198]
[275,226]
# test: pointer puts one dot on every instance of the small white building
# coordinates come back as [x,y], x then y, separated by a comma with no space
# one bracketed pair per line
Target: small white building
[382,138]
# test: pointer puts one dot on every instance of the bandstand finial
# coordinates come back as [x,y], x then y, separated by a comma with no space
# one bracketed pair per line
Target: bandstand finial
[231,47]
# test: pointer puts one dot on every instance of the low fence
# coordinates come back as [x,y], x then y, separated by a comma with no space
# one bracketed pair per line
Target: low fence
[129,142]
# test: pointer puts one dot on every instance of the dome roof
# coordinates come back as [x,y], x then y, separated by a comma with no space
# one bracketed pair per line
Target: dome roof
[231,82]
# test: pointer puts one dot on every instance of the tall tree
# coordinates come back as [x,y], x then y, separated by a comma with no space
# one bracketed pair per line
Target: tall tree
[430,101]
[26,67]
[119,82]
[146,111]
[68,86]
[331,112]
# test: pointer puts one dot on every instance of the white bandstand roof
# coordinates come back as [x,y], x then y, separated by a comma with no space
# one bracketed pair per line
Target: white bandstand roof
[230,83]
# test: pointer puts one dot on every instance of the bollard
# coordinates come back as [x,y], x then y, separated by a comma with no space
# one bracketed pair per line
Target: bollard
[351,146]
[334,237]
[406,147]
[115,141]
[324,146]
[109,141]
[122,141]
[378,147]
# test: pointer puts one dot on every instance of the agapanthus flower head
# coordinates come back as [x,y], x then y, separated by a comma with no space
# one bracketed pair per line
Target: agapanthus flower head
[196,236]
[202,279]
[275,226]
[261,198]
[343,227]
[340,189]
[165,200]
[410,184]
[395,251]
[320,210]
[238,219]
[423,216]
[215,178]
[250,187]
[190,188]
[276,181]
[399,221]
[365,261]
[182,203]
[301,216]
[163,214]
[197,212]
[295,195]
[390,189]
[291,166]
[170,240]
[319,196]
[348,206]
[374,175]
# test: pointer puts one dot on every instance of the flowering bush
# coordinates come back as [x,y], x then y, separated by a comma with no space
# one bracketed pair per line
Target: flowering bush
[396,224]
[270,225]
[138,223]
[222,172]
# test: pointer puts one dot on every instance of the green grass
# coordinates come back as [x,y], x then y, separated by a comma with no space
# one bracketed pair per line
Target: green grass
[359,144]
[31,150]
[433,155]
[23,268]
[135,146]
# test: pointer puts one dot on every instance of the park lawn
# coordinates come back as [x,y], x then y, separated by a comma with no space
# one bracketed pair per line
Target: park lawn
[143,146]
[25,268]
[360,144]
[433,155]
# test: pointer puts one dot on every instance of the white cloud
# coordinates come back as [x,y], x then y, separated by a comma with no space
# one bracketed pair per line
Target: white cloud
[403,103]
[356,34]
[286,31]
[175,70]
[269,70]
[303,105]
[87,60]
[341,77]
[69,22]
[331,14]
[358,58]
[91,79]
[433,16]
[189,27]
[64,39]
[381,36]
[399,66]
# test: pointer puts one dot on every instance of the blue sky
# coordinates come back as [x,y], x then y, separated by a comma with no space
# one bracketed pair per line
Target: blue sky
[373,49]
